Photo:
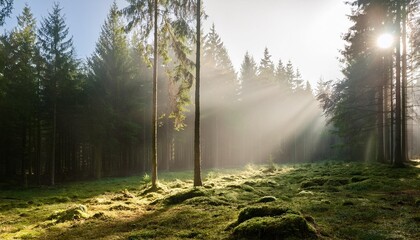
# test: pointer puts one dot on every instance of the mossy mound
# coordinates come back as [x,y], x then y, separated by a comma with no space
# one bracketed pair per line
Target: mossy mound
[288,226]
[314,182]
[75,213]
[267,199]
[263,211]
[182,196]
[337,182]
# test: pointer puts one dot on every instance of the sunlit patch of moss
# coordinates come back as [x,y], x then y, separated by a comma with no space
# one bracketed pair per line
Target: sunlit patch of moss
[74,213]
[184,195]
[287,226]
[263,211]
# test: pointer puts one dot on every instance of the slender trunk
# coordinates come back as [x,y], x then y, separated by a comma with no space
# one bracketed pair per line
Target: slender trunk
[392,121]
[52,167]
[154,111]
[398,151]
[38,149]
[380,115]
[404,138]
[386,108]
[98,161]
[24,156]
[197,150]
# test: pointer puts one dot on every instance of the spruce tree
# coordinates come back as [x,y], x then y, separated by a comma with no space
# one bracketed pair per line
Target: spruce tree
[59,74]
[22,88]
[113,97]
[6,7]
[266,69]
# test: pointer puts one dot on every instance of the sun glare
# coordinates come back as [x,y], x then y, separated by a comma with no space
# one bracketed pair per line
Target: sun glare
[385,40]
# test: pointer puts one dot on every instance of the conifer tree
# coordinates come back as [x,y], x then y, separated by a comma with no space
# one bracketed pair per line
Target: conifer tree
[113,95]
[266,68]
[6,7]
[58,74]
[22,88]
[248,73]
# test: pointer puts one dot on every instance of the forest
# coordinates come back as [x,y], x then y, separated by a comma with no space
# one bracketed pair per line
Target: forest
[156,135]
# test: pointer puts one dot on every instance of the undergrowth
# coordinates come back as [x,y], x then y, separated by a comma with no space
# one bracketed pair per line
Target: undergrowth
[328,200]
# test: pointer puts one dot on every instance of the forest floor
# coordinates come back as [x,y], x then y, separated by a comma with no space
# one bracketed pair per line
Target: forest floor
[334,200]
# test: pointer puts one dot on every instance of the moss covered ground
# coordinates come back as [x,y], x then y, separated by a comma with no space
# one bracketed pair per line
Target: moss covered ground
[329,200]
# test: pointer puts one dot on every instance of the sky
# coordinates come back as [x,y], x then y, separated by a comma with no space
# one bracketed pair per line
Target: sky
[306,32]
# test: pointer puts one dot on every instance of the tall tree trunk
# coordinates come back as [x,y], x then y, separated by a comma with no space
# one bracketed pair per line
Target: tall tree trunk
[404,138]
[380,115]
[52,167]
[154,107]
[197,147]
[392,117]
[386,105]
[398,162]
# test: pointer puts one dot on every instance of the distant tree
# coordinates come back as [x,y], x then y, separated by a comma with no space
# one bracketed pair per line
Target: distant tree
[298,82]
[6,7]
[308,88]
[218,73]
[281,76]
[266,69]
[114,97]
[214,52]
[59,74]
[290,75]
[22,89]
[248,73]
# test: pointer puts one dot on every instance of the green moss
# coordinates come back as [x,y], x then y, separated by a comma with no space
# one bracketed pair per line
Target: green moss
[74,213]
[182,196]
[314,182]
[358,179]
[263,211]
[288,226]
[337,182]
[266,199]
[207,200]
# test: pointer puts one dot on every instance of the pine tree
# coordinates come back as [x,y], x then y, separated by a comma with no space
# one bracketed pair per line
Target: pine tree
[59,77]
[290,75]
[248,74]
[6,7]
[298,82]
[266,68]
[281,76]
[113,96]
[22,88]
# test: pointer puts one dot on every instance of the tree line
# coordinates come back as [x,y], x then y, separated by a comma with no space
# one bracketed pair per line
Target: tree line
[372,107]
[65,119]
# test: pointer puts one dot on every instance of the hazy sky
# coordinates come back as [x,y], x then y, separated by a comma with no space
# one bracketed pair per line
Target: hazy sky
[307,32]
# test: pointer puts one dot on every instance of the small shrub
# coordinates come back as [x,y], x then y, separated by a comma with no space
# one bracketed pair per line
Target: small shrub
[146,178]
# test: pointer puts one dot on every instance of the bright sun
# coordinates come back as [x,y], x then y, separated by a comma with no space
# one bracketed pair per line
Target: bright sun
[385,40]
